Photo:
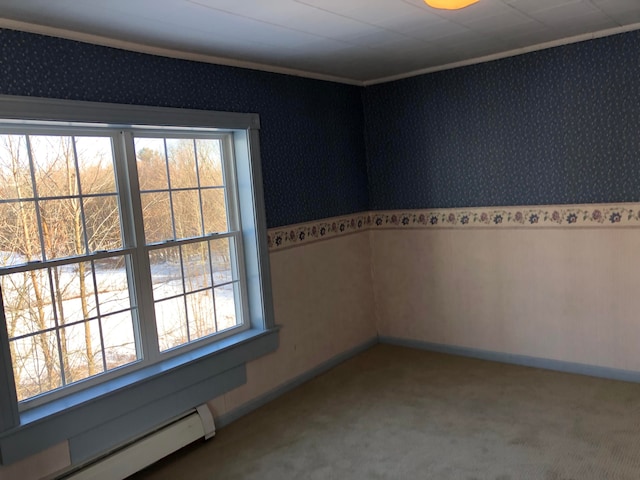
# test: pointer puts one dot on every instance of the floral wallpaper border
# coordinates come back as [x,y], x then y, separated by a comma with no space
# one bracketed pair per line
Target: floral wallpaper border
[567,216]
[291,235]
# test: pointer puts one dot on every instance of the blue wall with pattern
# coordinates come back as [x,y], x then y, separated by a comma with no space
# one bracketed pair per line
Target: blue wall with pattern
[557,126]
[312,140]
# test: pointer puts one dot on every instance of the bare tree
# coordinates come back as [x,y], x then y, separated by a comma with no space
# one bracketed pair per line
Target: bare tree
[60,232]
[58,199]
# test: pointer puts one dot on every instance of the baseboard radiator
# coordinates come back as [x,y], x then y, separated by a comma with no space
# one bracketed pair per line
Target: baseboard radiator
[151,448]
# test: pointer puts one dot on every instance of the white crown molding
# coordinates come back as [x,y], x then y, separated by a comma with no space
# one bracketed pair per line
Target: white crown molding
[198,57]
[510,53]
[166,52]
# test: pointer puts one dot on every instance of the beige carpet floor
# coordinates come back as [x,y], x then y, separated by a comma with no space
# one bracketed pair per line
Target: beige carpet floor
[394,412]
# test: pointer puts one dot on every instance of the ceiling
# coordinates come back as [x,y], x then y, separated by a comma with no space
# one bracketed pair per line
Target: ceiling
[355,41]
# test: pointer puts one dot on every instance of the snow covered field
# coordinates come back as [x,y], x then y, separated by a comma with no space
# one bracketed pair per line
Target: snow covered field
[185,310]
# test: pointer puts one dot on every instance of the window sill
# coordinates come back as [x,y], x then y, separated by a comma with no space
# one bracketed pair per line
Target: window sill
[107,415]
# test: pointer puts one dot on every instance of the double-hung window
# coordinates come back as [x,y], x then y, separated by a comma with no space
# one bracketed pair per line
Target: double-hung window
[83,248]
[124,244]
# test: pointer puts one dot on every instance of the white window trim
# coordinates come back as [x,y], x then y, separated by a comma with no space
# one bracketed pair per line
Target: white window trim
[132,226]
[223,359]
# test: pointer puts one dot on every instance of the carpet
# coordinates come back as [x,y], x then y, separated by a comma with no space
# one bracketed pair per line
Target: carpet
[399,413]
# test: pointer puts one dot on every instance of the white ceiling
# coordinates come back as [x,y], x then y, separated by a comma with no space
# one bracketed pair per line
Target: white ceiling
[357,41]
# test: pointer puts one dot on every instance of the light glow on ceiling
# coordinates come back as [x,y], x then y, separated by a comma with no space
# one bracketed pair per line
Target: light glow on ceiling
[450,4]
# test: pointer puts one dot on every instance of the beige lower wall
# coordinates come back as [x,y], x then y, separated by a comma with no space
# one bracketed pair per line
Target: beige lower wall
[559,293]
[43,465]
[323,301]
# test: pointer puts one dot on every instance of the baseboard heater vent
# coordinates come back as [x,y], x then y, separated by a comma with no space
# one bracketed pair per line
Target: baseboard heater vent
[151,448]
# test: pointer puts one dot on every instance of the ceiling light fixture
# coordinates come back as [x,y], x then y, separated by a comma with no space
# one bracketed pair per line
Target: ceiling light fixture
[450,4]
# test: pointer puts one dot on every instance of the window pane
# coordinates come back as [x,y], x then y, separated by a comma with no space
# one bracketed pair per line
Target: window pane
[36,365]
[209,163]
[152,166]
[119,339]
[15,174]
[200,312]
[166,272]
[171,323]
[102,217]
[19,236]
[81,351]
[196,266]
[74,292]
[186,214]
[60,200]
[182,163]
[214,210]
[95,162]
[225,298]
[156,211]
[27,302]
[62,228]
[113,286]
[54,164]
[221,261]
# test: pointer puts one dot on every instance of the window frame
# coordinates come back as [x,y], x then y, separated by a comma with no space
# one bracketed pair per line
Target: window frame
[186,376]
[124,250]
[232,209]
[134,247]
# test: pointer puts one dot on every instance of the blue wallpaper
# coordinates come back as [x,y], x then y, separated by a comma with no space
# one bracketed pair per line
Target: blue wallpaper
[557,126]
[312,141]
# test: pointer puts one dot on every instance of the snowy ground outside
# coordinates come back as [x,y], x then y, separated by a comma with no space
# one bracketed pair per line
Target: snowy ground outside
[181,313]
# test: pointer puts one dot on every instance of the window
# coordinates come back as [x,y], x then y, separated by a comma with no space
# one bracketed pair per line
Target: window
[192,230]
[76,234]
[63,261]
[132,245]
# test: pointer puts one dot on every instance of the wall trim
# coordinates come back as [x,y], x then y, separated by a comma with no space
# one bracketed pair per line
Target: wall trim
[509,53]
[231,62]
[301,379]
[281,238]
[578,215]
[166,52]
[515,359]
[545,216]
